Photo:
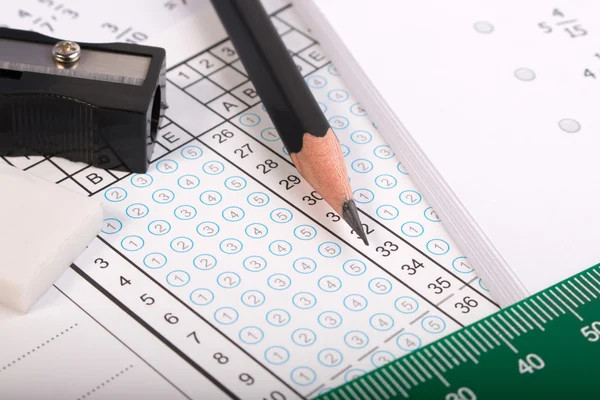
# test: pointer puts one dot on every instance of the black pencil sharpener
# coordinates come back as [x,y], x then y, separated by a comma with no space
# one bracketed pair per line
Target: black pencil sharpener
[80,100]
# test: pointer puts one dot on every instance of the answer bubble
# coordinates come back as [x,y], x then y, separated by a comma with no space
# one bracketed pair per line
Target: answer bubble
[483,27]
[569,125]
[525,74]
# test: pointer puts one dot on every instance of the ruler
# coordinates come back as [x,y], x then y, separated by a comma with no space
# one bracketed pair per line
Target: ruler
[547,344]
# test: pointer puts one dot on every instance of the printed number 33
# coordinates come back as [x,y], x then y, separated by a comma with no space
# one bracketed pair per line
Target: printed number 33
[387,248]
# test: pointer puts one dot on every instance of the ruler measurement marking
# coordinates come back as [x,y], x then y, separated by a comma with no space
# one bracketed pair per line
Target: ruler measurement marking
[595,280]
[450,356]
[571,293]
[534,312]
[413,370]
[435,371]
[393,381]
[513,348]
[559,308]
[590,283]
[482,338]
[454,350]
[541,309]
[566,305]
[384,383]
[344,395]
[529,316]
[547,306]
[435,361]
[379,389]
[418,364]
[585,287]
[579,291]
[566,297]
[436,351]
[405,372]
[465,350]
[362,392]
[335,396]
[502,329]
[512,328]
[489,334]
[353,393]
[477,353]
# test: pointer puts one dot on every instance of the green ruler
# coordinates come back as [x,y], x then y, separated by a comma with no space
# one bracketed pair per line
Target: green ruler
[546,345]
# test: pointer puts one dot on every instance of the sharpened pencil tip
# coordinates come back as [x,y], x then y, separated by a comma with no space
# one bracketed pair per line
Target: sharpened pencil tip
[350,215]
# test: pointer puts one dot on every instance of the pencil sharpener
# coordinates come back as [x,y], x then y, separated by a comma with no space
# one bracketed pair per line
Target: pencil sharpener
[80,101]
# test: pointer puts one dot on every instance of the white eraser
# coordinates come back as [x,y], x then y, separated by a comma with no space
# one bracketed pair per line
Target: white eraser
[43,228]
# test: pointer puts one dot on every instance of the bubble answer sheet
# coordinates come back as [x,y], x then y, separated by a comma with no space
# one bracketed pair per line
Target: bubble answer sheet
[220,273]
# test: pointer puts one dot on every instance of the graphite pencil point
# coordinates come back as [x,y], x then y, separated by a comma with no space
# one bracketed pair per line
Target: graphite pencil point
[350,215]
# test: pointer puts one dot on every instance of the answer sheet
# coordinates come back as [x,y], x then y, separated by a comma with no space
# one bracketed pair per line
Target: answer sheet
[220,273]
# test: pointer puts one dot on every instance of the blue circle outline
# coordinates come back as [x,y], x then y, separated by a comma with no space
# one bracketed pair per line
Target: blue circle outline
[357,260]
[246,114]
[269,140]
[252,305]
[383,158]
[213,173]
[304,329]
[192,158]
[363,202]
[381,330]
[410,191]
[357,114]
[278,309]
[386,188]
[204,255]
[330,256]
[361,172]
[258,205]
[280,255]
[281,209]
[188,188]
[251,326]
[412,222]
[356,331]
[130,236]
[221,245]
[201,305]
[402,171]
[304,258]
[405,349]
[163,161]
[380,293]
[178,270]
[387,205]
[437,254]
[155,252]
[303,384]
[233,220]
[278,347]
[229,272]
[361,131]
[315,301]
[156,221]
[165,190]
[359,295]
[210,191]
[237,315]
[117,231]
[332,73]
[338,116]
[208,222]
[330,349]
[305,226]
[256,237]
[459,271]
[279,273]
[254,270]
[183,251]
[185,219]
[338,90]
[137,204]
[115,201]
[232,177]
[429,219]
[345,149]
[432,317]
[330,276]
[379,352]
[410,298]
[141,187]
[332,312]
[316,76]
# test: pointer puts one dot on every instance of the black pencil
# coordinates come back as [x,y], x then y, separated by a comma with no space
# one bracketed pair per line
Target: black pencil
[304,130]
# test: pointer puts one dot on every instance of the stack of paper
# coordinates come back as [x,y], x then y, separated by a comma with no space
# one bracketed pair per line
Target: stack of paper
[493,110]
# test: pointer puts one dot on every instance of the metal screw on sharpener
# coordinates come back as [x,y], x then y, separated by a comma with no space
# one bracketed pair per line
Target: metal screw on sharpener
[66,52]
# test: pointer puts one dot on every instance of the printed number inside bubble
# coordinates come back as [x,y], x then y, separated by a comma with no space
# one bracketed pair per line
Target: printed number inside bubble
[356,339]
[205,262]
[330,249]
[330,319]
[213,167]
[355,302]
[182,244]
[361,137]
[386,181]
[280,248]
[202,297]
[253,298]
[115,194]
[155,260]
[380,358]
[387,212]
[256,231]
[159,228]
[330,357]
[362,166]
[178,278]
[141,180]
[408,342]
[278,317]
[207,229]
[235,183]
[191,152]
[305,232]
[277,355]
[185,212]
[281,215]
[163,196]
[355,267]
[228,280]
[188,182]
[380,285]
[330,283]
[137,211]
[406,305]
[305,265]
[255,263]
[304,300]
[233,214]
[304,337]
[279,281]
[363,196]
[231,246]
[251,335]
[258,199]
[211,197]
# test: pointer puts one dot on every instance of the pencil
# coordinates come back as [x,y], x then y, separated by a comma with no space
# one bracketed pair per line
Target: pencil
[296,115]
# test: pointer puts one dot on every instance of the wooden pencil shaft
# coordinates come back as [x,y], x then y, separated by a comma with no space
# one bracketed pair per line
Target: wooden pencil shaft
[286,97]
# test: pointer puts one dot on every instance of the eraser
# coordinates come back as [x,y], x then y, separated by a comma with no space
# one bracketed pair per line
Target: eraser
[43,229]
